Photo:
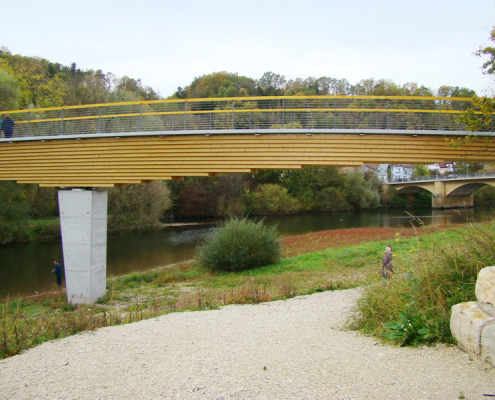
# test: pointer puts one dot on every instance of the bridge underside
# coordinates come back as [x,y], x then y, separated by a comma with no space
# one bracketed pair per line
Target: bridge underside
[107,162]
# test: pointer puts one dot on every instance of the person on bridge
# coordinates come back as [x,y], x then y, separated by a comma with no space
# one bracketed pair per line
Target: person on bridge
[387,264]
[58,273]
[8,126]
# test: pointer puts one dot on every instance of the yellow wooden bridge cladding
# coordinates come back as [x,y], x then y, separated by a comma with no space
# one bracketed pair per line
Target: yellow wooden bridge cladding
[117,161]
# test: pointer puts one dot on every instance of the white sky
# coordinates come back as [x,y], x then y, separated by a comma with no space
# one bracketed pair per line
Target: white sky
[168,43]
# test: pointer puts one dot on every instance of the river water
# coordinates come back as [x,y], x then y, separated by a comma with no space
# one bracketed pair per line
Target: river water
[26,268]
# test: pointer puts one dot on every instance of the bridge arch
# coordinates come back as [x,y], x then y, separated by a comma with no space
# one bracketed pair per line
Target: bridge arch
[467,188]
[413,189]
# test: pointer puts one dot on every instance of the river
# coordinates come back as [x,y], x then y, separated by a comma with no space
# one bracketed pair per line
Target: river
[26,268]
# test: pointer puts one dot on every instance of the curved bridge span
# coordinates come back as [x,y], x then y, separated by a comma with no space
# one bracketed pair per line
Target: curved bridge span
[106,145]
[100,162]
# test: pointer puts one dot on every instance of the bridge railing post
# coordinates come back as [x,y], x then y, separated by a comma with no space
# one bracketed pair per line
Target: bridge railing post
[440,116]
[62,122]
[99,119]
[29,122]
[283,113]
[185,115]
[387,115]
[141,117]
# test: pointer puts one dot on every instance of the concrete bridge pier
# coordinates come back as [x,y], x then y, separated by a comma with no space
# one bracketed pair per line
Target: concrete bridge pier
[441,200]
[83,222]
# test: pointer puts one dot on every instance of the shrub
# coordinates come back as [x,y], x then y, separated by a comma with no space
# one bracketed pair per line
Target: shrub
[269,199]
[239,245]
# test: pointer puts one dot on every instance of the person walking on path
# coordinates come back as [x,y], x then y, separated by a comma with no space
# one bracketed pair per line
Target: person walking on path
[58,273]
[8,127]
[387,264]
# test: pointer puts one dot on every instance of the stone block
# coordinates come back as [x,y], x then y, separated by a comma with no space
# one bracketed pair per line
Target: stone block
[488,343]
[485,286]
[467,323]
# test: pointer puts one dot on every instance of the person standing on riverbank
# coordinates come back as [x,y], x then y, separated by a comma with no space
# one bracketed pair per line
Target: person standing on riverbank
[58,273]
[387,264]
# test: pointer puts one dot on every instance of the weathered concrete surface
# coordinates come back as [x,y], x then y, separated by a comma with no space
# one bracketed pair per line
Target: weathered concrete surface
[467,323]
[485,288]
[488,343]
[83,221]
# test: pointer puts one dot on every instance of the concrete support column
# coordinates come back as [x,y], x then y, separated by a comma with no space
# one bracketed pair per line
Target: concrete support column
[438,199]
[83,222]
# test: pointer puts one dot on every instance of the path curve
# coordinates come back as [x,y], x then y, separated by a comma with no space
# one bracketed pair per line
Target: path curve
[292,349]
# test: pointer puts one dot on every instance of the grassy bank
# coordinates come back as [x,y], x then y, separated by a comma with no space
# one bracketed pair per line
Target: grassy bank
[350,258]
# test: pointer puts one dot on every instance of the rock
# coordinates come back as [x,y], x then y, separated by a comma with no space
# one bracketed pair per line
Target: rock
[467,323]
[488,343]
[485,286]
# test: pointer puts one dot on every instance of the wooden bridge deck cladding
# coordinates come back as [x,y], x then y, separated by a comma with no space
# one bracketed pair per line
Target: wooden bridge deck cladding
[116,161]
[105,145]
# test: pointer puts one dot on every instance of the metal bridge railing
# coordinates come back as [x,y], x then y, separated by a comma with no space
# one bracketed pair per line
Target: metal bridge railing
[454,176]
[285,112]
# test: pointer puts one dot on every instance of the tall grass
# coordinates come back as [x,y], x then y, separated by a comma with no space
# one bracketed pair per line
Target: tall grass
[414,306]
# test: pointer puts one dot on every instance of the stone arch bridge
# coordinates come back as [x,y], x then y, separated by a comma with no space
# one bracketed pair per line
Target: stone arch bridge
[452,191]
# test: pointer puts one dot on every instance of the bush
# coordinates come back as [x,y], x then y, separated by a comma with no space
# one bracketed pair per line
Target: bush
[239,245]
[485,195]
[270,199]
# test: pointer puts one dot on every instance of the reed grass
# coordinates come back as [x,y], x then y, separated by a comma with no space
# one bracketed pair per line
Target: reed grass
[414,307]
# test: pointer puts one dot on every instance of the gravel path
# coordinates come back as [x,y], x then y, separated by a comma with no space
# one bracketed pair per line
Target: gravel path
[292,349]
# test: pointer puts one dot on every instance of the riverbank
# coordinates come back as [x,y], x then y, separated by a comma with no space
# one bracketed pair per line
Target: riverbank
[351,258]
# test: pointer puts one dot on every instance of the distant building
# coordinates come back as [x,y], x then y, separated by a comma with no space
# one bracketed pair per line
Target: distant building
[382,172]
[441,168]
[401,172]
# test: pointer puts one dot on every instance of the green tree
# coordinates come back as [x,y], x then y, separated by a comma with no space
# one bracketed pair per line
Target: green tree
[269,199]
[359,192]
[137,206]
[484,105]
[9,91]
[421,170]
[14,211]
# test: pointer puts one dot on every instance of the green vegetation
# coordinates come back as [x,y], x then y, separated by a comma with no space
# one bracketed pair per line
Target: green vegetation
[433,273]
[29,212]
[240,245]
[272,192]
[434,270]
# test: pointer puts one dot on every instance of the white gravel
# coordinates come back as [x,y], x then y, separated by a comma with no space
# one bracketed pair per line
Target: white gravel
[294,349]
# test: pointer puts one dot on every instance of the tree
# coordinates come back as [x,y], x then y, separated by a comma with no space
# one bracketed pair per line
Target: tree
[478,117]
[14,211]
[137,206]
[421,170]
[9,91]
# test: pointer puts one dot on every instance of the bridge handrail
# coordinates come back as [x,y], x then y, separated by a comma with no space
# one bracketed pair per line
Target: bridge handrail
[449,177]
[407,113]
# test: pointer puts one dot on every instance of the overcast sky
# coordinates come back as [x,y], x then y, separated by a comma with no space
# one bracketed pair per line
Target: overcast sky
[168,43]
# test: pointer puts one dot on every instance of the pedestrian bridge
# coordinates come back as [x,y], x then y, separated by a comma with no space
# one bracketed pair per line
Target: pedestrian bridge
[105,145]
[450,191]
